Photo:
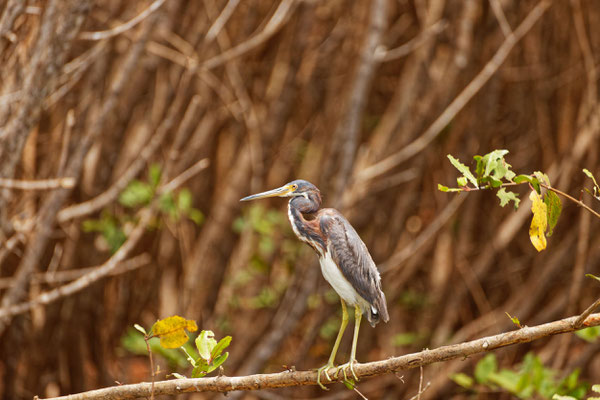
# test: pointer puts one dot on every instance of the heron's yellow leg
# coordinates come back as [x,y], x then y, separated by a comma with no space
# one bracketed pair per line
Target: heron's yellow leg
[329,364]
[350,364]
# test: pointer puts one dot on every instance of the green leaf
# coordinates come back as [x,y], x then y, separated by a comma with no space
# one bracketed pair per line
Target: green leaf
[222,345]
[593,277]
[522,178]
[570,382]
[217,362]
[205,343]
[463,170]
[493,161]
[135,194]
[506,197]
[179,376]
[405,338]
[184,200]
[461,181]
[140,328]
[596,388]
[590,175]
[559,397]
[542,177]
[349,383]
[443,188]
[196,216]
[485,367]
[590,334]
[154,174]
[533,181]
[553,209]
[514,320]
[463,380]
[166,203]
[506,379]
[200,369]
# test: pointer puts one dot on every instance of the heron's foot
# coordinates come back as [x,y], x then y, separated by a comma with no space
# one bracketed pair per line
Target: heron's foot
[324,369]
[345,367]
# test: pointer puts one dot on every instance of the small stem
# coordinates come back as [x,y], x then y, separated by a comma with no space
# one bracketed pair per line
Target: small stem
[573,199]
[579,202]
[579,321]
[147,340]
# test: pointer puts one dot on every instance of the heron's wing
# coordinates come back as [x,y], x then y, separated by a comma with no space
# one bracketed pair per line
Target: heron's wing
[352,257]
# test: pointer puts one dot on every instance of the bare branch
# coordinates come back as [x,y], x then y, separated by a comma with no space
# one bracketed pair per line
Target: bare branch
[46,184]
[499,13]
[281,15]
[301,378]
[460,101]
[384,55]
[87,279]
[117,30]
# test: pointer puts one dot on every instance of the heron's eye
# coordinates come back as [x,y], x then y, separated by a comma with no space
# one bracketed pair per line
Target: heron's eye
[294,186]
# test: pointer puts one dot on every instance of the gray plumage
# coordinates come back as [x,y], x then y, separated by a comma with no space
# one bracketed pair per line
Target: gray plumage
[351,255]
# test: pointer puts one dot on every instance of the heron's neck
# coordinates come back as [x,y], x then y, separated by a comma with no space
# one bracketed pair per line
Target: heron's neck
[306,205]
[306,230]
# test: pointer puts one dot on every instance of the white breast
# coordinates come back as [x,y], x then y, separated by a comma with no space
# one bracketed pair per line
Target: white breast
[340,284]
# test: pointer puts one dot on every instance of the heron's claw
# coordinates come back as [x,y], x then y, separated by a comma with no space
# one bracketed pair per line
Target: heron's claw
[324,369]
[344,368]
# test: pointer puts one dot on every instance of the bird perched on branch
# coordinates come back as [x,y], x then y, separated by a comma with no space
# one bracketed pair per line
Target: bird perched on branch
[345,261]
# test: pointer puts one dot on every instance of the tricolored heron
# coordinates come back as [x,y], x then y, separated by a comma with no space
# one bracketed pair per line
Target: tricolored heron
[345,261]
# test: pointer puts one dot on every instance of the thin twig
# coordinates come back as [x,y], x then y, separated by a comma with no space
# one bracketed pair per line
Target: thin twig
[117,30]
[87,279]
[72,274]
[221,20]
[301,378]
[384,55]
[147,340]
[573,199]
[184,176]
[499,13]
[45,184]
[279,17]
[545,186]
[588,311]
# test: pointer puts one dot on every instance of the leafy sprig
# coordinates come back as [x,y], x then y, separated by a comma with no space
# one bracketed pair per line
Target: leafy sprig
[493,172]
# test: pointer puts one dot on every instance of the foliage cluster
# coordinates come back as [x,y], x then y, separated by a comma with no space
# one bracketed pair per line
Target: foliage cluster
[138,193]
[492,171]
[531,380]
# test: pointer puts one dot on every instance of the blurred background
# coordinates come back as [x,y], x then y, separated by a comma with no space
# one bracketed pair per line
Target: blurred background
[166,113]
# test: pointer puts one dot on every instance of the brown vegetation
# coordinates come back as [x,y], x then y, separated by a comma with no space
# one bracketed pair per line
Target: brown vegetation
[364,99]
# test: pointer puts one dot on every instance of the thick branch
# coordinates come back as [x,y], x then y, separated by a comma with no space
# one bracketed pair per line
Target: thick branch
[301,378]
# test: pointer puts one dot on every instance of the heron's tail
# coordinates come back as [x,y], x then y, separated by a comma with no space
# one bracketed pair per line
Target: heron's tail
[378,310]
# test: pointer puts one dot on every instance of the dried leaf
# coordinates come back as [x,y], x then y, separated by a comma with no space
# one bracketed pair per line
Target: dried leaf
[171,331]
[539,222]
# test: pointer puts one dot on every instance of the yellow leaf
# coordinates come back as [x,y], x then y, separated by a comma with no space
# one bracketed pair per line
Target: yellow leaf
[171,331]
[539,223]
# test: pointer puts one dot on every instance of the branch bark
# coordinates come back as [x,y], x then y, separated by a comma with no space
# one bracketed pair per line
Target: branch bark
[302,378]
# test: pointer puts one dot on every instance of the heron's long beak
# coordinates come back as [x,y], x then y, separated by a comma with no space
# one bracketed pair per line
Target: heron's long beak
[279,192]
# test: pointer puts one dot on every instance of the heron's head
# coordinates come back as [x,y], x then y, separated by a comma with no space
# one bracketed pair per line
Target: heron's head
[295,188]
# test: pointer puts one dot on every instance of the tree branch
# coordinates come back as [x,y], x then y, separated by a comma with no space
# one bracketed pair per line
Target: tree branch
[302,378]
